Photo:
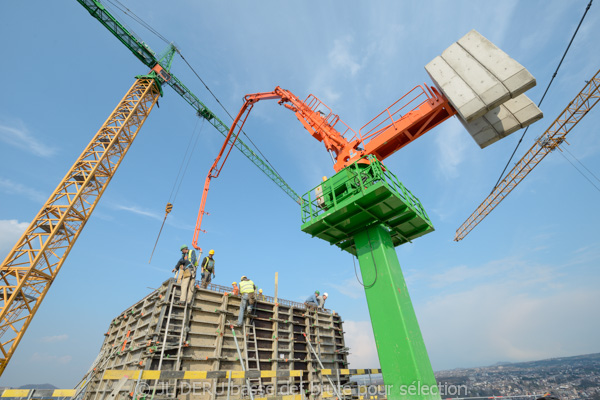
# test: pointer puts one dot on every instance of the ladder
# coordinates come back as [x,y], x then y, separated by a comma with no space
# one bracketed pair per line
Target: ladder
[335,388]
[237,346]
[168,333]
[183,334]
[252,331]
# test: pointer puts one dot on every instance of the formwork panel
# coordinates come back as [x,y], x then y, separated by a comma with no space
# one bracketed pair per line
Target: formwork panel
[157,333]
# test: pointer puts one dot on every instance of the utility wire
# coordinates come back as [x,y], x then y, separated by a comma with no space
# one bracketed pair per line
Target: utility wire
[180,177]
[374,264]
[586,168]
[139,20]
[542,99]
[227,112]
[187,157]
[578,170]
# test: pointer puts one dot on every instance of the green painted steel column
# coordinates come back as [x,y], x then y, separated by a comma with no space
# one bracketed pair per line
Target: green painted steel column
[402,354]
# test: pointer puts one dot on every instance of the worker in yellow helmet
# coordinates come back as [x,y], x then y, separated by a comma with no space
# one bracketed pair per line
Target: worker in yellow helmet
[186,269]
[261,296]
[247,290]
[236,289]
[208,269]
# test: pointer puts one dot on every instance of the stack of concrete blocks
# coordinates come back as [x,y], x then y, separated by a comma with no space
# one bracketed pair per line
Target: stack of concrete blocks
[199,338]
[486,88]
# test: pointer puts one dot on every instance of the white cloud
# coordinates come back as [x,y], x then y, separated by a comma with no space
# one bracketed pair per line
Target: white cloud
[341,56]
[53,339]
[496,323]
[19,136]
[10,187]
[360,339]
[10,231]
[508,310]
[451,149]
[139,211]
[50,359]
[351,288]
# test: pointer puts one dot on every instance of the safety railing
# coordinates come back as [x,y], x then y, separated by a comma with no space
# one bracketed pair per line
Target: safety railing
[330,118]
[411,101]
[359,178]
[268,299]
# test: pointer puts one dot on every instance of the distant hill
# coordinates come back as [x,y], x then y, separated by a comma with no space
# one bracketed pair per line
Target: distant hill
[552,361]
[38,386]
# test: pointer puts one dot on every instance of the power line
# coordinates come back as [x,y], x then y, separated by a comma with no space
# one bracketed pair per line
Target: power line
[544,95]
[578,170]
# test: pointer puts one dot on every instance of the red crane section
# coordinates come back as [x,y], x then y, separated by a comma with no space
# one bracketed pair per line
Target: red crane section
[407,119]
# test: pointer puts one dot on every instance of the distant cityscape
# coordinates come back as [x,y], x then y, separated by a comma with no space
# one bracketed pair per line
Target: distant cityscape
[567,378]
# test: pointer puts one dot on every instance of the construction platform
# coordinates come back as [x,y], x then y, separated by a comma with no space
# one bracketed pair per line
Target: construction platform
[359,196]
[159,349]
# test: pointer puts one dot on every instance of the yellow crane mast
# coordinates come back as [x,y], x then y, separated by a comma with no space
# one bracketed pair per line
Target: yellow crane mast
[548,141]
[31,266]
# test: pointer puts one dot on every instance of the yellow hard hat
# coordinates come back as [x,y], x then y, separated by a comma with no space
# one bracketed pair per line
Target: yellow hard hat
[259,290]
[234,283]
[211,252]
[242,278]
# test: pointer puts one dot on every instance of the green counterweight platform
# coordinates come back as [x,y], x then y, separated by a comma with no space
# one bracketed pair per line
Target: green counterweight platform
[359,196]
[366,211]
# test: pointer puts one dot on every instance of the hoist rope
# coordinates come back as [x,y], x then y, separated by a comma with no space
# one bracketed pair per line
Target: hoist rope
[542,99]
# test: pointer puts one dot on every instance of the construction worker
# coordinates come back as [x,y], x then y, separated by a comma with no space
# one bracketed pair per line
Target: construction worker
[312,303]
[236,289]
[208,269]
[321,300]
[187,274]
[247,290]
[187,257]
[260,296]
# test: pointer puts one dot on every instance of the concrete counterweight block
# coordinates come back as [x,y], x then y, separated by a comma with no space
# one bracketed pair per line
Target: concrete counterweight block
[513,75]
[500,122]
[487,87]
[476,76]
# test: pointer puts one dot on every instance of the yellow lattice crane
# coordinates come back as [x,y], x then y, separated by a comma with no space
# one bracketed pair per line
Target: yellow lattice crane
[547,142]
[31,266]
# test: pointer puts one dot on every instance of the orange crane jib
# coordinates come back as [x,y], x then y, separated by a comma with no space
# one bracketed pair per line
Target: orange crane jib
[418,111]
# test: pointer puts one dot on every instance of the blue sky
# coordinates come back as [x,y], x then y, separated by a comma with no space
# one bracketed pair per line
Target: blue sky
[522,286]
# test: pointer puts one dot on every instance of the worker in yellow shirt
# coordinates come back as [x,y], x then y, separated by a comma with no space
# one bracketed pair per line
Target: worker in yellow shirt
[247,290]
[261,296]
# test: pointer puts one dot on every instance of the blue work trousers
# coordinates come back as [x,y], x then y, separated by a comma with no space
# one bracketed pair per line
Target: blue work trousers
[247,300]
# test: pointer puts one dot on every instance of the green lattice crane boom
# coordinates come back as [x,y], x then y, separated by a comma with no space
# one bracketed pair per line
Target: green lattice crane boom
[33,263]
[160,64]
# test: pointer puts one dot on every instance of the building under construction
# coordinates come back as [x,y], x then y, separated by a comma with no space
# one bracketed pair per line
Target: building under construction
[159,348]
